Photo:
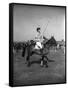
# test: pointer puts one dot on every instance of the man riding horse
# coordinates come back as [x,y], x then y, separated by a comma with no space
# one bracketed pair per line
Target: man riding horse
[37,46]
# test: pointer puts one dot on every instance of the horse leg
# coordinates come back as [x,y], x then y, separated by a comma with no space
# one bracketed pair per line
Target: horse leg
[46,63]
[47,58]
[28,62]
[23,52]
[28,56]
[42,61]
[32,53]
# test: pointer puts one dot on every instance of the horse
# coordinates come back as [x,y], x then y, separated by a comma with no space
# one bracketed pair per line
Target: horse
[29,47]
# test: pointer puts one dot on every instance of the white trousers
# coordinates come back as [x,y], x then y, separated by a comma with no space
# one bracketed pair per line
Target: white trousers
[38,45]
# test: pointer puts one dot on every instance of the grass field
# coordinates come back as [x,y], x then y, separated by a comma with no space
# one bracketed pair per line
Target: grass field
[55,73]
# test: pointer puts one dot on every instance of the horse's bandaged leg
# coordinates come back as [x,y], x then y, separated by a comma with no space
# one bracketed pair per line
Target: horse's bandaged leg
[41,63]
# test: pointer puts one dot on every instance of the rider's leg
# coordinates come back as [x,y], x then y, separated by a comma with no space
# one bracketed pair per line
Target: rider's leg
[42,61]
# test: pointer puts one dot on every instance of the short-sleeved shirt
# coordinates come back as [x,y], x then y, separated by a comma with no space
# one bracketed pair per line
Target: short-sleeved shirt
[39,37]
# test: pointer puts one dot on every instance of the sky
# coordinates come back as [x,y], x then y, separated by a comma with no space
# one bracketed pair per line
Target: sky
[27,18]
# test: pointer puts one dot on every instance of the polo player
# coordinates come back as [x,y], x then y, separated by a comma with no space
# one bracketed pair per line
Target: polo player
[38,39]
